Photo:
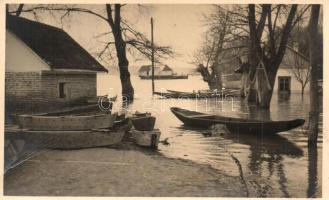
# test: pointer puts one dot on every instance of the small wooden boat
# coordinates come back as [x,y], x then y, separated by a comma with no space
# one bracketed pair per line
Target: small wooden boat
[187,95]
[146,138]
[67,139]
[164,77]
[225,92]
[66,122]
[199,94]
[143,121]
[238,125]
[178,92]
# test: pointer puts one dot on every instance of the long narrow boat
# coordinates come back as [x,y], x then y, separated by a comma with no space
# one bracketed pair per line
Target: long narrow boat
[67,139]
[66,122]
[199,94]
[179,92]
[164,77]
[185,95]
[197,119]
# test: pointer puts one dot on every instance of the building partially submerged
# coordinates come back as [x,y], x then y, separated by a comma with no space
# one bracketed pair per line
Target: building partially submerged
[294,69]
[146,70]
[45,67]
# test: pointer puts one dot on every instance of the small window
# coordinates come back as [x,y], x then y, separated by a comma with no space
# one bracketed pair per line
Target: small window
[61,90]
[284,83]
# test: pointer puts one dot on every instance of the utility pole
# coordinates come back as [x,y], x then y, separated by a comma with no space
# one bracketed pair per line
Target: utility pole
[152,43]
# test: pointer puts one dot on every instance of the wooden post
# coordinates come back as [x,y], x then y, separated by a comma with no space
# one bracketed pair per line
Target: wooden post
[152,43]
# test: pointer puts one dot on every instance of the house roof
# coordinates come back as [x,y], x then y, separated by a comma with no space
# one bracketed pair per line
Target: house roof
[57,48]
[298,53]
[288,61]
[145,68]
[285,64]
[166,68]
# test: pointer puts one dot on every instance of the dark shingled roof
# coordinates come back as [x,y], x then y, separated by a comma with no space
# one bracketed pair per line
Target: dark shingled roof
[166,68]
[145,68]
[53,45]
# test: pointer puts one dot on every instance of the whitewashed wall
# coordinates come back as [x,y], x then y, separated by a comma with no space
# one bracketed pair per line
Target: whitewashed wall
[166,73]
[20,58]
[295,85]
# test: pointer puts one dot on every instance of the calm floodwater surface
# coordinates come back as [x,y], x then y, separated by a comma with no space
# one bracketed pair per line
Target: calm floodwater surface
[268,166]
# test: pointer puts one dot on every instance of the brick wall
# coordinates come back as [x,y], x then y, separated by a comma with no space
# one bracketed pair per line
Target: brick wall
[76,86]
[34,91]
[22,90]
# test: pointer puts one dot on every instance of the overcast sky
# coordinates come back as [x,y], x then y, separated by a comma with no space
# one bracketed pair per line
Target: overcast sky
[179,26]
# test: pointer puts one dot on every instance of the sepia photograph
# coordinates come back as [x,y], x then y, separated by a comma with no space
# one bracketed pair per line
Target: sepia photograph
[163,100]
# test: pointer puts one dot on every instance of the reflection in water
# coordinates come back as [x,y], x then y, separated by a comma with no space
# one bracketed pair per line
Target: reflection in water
[241,174]
[267,165]
[255,112]
[312,171]
[267,148]
[282,177]
[283,97]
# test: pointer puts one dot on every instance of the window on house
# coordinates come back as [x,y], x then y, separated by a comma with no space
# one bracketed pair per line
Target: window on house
[61,90]
[284,83]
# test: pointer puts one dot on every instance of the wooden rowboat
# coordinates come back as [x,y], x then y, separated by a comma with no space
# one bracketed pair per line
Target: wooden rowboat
[199,94]
[66,122]
[67,139]
[185,95]
[146,138]
[238,125]
[164,77]
[143,121]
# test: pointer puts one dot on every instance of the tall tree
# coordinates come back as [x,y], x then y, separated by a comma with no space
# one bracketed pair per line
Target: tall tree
[120,45]
[219,39]
[267,29]
[266,52]
[314,88]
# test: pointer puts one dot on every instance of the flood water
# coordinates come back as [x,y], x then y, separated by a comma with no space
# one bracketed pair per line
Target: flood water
[267,166]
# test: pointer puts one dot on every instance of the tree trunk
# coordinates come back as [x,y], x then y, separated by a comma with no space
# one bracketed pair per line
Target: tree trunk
[314,96]
[218,84]
[262,93]
[127,88]
[312,171]
[213,79]
[264,87]
[244,84]
[120,45]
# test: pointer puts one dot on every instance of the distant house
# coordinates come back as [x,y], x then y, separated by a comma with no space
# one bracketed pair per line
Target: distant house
[146,70]
[166,71]
[45,67]
[286,80]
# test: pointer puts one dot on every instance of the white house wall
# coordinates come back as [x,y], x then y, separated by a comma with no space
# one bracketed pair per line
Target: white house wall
[165,73]
[295,85]
[20,58]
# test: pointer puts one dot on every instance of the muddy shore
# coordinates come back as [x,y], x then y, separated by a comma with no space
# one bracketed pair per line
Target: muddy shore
[124,170]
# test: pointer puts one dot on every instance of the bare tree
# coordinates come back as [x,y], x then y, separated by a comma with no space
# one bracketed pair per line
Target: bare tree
[267,29]
[268,43]
[301,69]
[314,88]
[220,37]
[122,33]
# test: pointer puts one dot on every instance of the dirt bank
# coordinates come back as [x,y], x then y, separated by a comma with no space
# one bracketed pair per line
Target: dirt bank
[116,172]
